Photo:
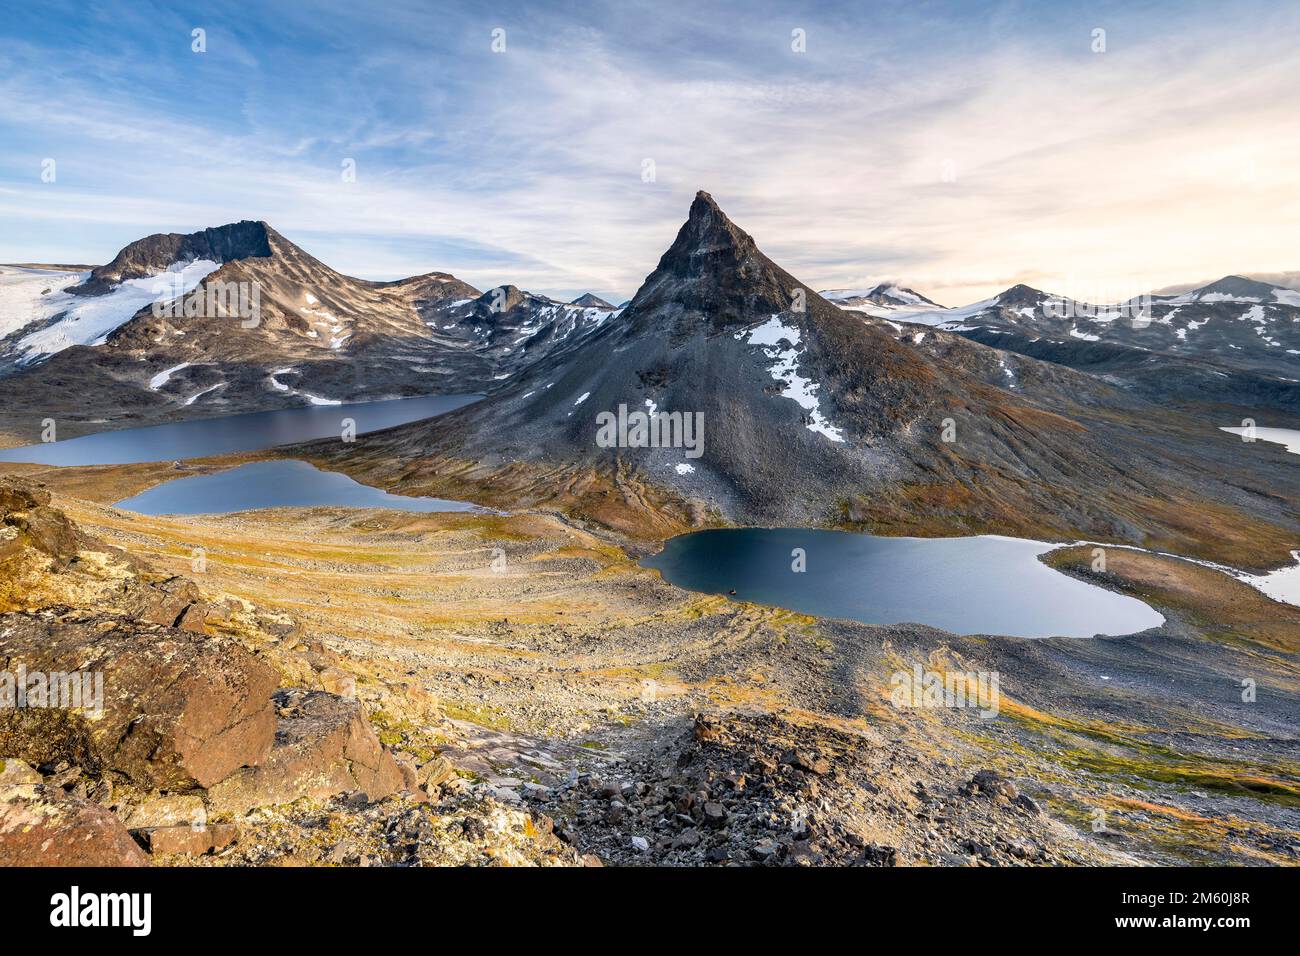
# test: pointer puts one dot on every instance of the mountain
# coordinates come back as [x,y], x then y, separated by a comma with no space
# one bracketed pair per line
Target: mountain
[815,414]
[155,254]
[253,321]
[880,299]
[1242,323]
[590,301]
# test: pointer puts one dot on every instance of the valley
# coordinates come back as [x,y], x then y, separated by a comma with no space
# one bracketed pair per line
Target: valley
[504,675]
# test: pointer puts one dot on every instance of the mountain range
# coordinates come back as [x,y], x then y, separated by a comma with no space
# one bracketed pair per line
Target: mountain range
[814,413]
[875,408]
[1236,322]
[318,336]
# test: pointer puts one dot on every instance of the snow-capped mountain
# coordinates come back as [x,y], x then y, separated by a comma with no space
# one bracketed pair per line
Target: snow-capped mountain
[880,300]
[237,317]
[591,300]
[515,327]
[1235,321]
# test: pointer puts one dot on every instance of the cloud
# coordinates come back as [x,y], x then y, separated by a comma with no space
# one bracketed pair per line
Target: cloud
[959,157]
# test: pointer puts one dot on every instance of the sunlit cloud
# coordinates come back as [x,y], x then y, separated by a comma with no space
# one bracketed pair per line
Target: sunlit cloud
[958,156]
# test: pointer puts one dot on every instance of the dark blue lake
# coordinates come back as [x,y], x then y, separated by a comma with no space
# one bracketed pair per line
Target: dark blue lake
[234,433]
[977,585]
[273,484]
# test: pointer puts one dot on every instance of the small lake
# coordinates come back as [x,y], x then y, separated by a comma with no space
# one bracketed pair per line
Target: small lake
[273,484]
[252,431]
[976,585]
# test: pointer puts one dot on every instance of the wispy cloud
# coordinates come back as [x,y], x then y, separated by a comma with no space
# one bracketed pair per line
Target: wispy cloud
[957,154]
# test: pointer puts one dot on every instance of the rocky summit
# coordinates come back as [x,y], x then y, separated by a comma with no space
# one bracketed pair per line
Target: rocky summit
[813,413]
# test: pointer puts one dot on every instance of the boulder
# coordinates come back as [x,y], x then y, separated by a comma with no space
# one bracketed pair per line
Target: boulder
[324,746]
[179,710]
[990,783]
[15,772]
[173,602]
[45,826]
[806,761]
[338,682]
[25,510]
[436,772]
[177,809]
[188,840]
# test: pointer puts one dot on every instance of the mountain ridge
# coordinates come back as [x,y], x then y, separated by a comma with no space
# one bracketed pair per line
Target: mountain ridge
[815,415]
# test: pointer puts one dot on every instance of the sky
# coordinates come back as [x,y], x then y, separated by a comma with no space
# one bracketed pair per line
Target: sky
[957,148]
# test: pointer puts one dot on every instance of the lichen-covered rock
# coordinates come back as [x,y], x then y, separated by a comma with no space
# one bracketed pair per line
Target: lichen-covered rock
[179,710]
[189,840]
[174,602]
[45,826]
[25,508]
[176,809]
[15,772]
[323,746]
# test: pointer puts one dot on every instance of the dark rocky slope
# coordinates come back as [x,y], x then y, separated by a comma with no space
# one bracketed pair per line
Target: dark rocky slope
[813,415]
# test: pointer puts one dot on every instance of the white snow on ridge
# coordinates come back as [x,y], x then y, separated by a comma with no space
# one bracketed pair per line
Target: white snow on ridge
[1281,585]
[21,301]
[281,387]
[197,395]
[784,370]
[159,380]
[1290,437]
[90,319]
[1006,370]
[772,332]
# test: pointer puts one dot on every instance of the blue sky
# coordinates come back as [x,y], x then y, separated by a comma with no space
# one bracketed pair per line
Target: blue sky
[957,147]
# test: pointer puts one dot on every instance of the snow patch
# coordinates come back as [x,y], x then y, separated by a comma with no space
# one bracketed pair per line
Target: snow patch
[197,395]
[21,299]
[784,370]
[159,380]
[89,320]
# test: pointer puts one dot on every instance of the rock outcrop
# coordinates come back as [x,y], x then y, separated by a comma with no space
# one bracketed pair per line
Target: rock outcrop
[42,825]
[324,746]
[178,710]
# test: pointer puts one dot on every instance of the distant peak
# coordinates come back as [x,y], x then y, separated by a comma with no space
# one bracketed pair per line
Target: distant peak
[1021,294]
[589,300]
[1238,286]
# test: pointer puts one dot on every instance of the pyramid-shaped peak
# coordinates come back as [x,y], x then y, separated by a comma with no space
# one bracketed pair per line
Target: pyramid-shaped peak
[705,205]
[706,240]
[713,273]
[1239,287]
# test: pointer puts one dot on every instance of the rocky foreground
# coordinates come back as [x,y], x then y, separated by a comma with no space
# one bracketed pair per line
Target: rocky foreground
[377,688]
[193,747]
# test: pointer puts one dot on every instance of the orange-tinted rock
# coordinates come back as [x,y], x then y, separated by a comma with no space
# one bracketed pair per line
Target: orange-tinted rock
[324,746]
[179,710]
[44,826]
